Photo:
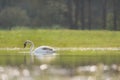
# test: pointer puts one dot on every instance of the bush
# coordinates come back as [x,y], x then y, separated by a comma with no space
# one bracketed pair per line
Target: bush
[49,14]
[13,16]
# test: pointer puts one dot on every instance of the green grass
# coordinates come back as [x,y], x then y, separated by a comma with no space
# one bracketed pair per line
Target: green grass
[62,38]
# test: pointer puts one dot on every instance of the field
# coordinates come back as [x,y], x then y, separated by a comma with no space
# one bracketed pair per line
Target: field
[62,39]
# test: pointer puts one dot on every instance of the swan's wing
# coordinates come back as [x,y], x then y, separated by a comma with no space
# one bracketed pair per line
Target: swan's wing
[47,47]
[38,51]
[44,50]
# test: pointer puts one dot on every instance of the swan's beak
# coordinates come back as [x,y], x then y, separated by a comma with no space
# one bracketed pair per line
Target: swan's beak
[24,45]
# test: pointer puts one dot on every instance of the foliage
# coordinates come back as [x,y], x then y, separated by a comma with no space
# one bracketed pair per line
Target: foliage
[13,16]
[72,14]
[49,13]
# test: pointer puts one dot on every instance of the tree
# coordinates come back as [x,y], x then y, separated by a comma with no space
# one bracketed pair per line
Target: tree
[104,14]
[89,14]
[70,13]
[77,14]
[82,14]
[13,16]
[115,14]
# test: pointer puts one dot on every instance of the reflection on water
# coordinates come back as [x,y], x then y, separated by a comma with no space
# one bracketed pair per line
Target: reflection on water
[60,67]
[51,72]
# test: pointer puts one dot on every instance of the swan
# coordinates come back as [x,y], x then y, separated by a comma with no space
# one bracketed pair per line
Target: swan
[39,52]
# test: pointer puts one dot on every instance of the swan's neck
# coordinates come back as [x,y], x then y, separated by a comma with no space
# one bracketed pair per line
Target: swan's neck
[31,47]
[31,51]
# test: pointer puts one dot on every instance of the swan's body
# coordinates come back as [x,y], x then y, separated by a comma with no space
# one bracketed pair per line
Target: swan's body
[39,52]
[44,50]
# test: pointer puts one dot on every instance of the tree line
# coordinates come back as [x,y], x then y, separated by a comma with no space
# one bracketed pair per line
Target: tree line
[71,14]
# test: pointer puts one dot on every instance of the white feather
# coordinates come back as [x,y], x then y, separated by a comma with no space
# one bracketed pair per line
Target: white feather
[45,53]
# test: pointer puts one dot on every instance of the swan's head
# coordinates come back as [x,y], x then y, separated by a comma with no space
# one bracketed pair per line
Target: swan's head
[27,42]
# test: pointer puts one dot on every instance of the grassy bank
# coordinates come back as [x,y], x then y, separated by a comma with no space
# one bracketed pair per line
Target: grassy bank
[60,38]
